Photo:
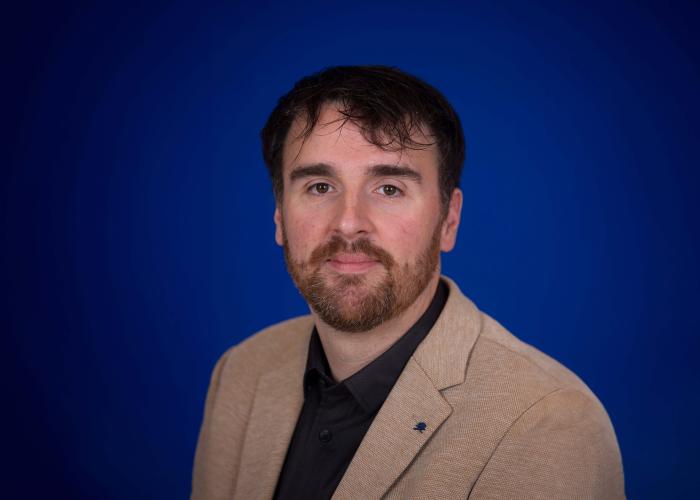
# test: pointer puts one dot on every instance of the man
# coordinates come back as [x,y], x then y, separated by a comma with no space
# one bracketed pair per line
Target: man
[396,385]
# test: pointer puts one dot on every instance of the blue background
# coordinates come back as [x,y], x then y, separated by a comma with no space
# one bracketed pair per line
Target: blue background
[137,233]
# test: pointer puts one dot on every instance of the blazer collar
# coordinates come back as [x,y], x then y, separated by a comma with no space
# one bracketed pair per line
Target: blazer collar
[445,352]
[395,436]
[415,408]
[278,400]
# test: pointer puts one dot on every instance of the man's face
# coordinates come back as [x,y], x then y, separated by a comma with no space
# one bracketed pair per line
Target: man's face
[362,228]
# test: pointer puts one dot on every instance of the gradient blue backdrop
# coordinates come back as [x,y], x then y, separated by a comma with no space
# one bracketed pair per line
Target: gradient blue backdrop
[137,233]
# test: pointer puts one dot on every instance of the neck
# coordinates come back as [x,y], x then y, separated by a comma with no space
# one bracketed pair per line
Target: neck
[348,353]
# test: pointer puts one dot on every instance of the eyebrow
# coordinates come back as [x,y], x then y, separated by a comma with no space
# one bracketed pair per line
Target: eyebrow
[382,170]
[317,169]
[394,171]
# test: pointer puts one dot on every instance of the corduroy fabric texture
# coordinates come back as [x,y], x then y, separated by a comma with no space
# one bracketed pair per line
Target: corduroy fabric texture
[503,420]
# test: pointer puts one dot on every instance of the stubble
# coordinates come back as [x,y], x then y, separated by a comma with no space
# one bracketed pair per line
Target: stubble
[356,302]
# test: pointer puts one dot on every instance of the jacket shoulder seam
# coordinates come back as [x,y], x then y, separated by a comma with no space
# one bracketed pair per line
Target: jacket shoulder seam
[529,360]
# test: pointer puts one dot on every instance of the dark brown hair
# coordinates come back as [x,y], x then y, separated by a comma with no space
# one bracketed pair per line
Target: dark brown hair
[390,106]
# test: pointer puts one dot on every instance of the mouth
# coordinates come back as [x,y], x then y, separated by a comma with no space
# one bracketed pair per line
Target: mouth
[352,263]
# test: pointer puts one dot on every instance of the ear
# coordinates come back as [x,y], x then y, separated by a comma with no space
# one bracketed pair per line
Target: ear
[450,225]
[278,226]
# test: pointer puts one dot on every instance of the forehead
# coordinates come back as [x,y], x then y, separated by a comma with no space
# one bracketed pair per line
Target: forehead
[338,141]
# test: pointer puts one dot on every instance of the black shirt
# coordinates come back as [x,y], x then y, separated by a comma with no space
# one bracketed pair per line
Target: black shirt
[336,416]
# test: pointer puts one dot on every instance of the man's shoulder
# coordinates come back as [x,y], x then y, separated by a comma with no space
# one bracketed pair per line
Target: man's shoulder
[510,380]
[500,365]
[526,409]
[275,343]
[498,346]
[537,412]
[266,349]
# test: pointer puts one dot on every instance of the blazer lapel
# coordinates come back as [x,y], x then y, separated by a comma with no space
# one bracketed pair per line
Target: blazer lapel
[395,438]
[409,416]
[279,397]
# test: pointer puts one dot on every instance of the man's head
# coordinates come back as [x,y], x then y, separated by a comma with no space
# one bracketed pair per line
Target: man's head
[365,174]
[390,106]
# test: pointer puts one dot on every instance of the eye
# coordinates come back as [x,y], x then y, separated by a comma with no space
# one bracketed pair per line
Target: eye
[390,191]
[320,188]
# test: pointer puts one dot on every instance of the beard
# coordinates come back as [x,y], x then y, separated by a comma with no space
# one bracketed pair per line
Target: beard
[358,302]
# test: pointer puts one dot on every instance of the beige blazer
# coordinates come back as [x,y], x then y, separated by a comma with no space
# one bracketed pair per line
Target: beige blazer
[502,420]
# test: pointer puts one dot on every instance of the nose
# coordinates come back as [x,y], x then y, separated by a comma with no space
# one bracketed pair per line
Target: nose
[352,218]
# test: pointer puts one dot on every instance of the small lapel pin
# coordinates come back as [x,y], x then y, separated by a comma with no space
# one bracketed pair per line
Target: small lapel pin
[420,427]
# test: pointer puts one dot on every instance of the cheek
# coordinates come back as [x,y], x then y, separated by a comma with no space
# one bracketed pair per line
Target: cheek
[412,232]
[405,237]
[304,234]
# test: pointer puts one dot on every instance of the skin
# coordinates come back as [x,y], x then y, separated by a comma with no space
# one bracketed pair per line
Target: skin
[337,184]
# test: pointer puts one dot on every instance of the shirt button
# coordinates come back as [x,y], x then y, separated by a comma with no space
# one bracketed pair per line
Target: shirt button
[325,435]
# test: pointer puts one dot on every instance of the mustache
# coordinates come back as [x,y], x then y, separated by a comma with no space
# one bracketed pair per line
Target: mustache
[339,245]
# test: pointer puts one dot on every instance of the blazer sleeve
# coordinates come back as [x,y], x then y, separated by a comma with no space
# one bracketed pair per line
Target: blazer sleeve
[562,447]
[201,453]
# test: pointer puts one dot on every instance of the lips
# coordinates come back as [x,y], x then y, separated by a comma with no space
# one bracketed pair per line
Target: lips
[352,258]
[352,262]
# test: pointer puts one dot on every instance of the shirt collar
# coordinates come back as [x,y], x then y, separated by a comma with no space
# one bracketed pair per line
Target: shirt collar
[371,385]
